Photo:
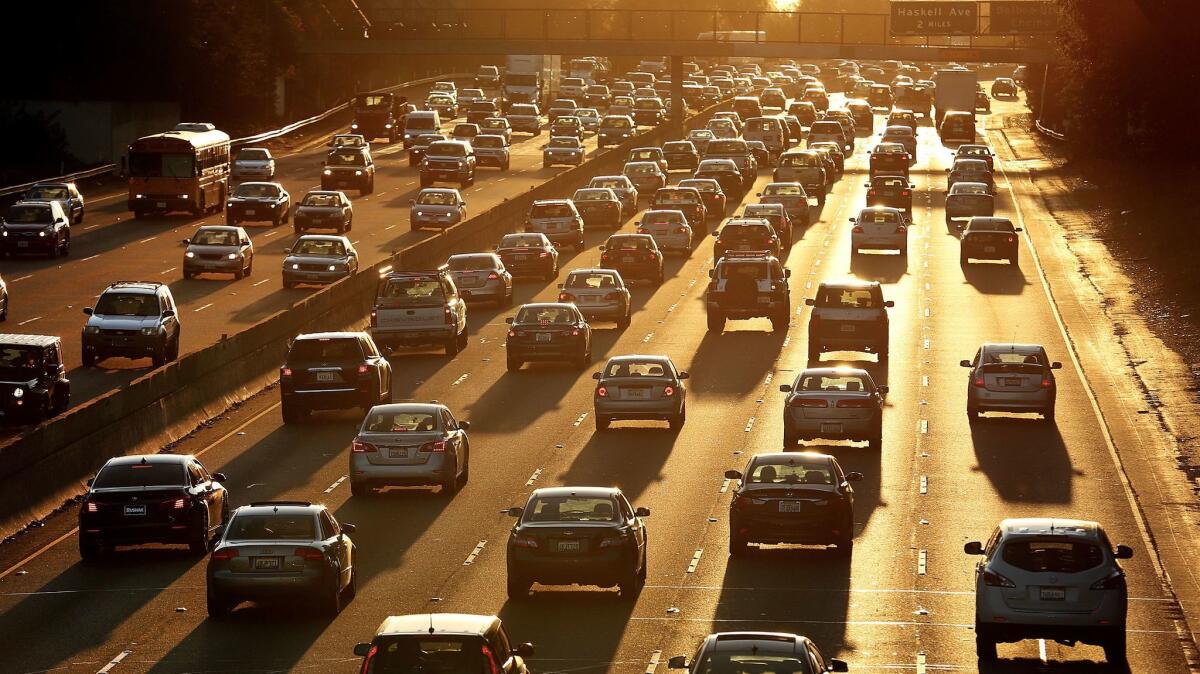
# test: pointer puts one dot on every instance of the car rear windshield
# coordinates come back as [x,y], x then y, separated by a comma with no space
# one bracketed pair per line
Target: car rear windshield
[435,654]
[826,127]
[572,509]
[414,292]
[636,368]
[675,197]
[400,422]
[495,123]
[419,122]
[127,304]
[150,474]
[472,263]
[848,298]
[645,155]
[591,280]
[783,191]
[551,211]
[640,168]
[545,316]
[841,383]
[272,527]
[663,218]
[1052,555]
[969,188]
[611,183]
[325,350]
[701,185]
[628,243]
[879,217]
[791,472]
[466,130]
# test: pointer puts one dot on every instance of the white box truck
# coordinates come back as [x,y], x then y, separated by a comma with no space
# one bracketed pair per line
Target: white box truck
[955,91]
[531,79]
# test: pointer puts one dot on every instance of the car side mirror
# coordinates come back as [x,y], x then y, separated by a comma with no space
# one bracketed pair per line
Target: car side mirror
[524,650]
[219,477]
[361,650]
[810,301]
[677,662]
[508,320]
[348,528]
[168,313]
[515,511]
[854,476]
[88,311]
[464,425]
[642,512]
[1018,229]
[90,480]
[684,375]
[912,186]
[967,363]
[1056,365]
[973,548]
[733,475]
[838,665]
[785,388]
[1123,552]
[946,170]
[186,242]
[882,388]
[889,304]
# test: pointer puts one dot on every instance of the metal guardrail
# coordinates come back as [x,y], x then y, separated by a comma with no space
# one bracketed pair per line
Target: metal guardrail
[1048,132]
[237,142]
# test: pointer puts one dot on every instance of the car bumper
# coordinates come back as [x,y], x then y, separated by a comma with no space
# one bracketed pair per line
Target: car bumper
[673,242]
[525,125]
[134,346]
[261,585]
[493,290]
[541,268]
[353,181]
[756,310]
[252,173]
[566,350]
[328,399]
[634,271]
[553,159]
[1012,624]
[1016,401]
[610,310]
[663,408]
[161,204]
[493,160]
[871,342]
[569,237]
[817,528]
[314,277]
[457,175]
[605,569]
[173,531]
[434,471]
[878,242]
[253,213]
[27,244]
[981,252]
[830,429]
[427,221]
[423,337]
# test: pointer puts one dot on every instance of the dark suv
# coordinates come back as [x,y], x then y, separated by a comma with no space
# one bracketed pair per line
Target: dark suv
[891,191]
[748,285]
[132,320]
[333,370]
[35,227]
[152,498]
[349,167]
[743,235]
[33,380]
[848,316]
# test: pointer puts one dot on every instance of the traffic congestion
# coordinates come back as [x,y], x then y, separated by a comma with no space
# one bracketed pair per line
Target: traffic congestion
[696,394]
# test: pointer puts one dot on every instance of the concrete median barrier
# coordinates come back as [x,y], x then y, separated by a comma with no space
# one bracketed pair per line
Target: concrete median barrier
[50,464]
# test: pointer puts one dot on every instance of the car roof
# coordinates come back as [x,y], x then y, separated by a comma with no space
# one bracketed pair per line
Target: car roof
[146,287]
[51,183]
[323,237]
[264,183]
[473,256]
[1043,526]
[994,347]
[427,408]
[150,459]
[328,335]
[29,340]
[437,190]
[881,209]
[332,193]
[586,492]
[850,283]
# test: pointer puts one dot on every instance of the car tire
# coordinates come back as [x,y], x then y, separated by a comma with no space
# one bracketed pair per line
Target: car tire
[602,422]
[584,359]
[716,322]
[844,547]
[1114,649]
[518,588]
[199,540]
[239,274]
[1048,415]
[985,646]
[630,584]
[219,606]
[624,320]
[658,280]
[676,423]
[159,358]
[790,438]
[466,471]
[738,547]
[463,340]
[351,590]
[875,442]
[450,485]
[779,323]
[1012,259]
[359,489]
[514,364]
[821,200]
[814,351]
[331,601]
[292,413]
[92,552]
[452,345]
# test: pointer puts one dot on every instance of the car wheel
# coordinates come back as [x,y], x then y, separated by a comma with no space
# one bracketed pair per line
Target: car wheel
[790,438]
[452,345]
[160,356]
[173,350]
[239,274]
[514,364]
[293,414]
[985,646]
[779,323]
[716,322]
[518,588]
[351,590]
[1048,415]
[844,547]
[219,606]
[199,540]
[91,551]
[624,320]
[466,471]
[814,352]
[360,490]
[584,359]
[289,284]
[1114,649]
[875,442]
[463,340]
[331,601]
[677,422]
[602,422]
[738,547]
[821,200]
[1012,259]
[450,484]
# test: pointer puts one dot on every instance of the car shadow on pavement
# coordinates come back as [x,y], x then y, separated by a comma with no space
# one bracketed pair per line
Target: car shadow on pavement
[879,267]
[1025,459]
[991,278]
[630,455]
[805,590]
[735,362]
[587,623]
[270,637]
[857,458]
[1026,665]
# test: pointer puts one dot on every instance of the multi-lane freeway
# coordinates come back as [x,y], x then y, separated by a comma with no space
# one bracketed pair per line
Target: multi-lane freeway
[903,602]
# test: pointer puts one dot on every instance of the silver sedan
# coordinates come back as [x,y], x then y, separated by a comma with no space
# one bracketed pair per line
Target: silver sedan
[319,259]
[835,404]
[410,444]
[640,387]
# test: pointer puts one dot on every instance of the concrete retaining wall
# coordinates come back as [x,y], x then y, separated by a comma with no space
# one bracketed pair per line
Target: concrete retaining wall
[51,463]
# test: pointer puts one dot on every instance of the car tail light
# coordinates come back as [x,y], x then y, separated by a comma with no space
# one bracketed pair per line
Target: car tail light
[900,229]
[906,193]
[512,333]
[437,446]
[680,230]
[311,554]
[525,541]
[857,229]
[610,542]
[360,447]
[363,369]
[366,665]
[449,316]
[576,332]
[669,391]
[374,319]
[611,204]
[652,256]
[1113,581]
[221,554]
[287,371]
[566,297]
[871,193]
[1010,238]
[603,257]
[493,276]
[642,230]
[491,660]
[979,382]
[602,392]
[1047,382]
[855,404]
[544,254]
[179,504]
[92,507]
[612,296]
[993,579]
[808,402]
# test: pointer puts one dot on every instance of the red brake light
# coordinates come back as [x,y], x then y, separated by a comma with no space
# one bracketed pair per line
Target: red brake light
[374,319]
[309,554]
[360,447]
[808,402]
[905,193]
[493,276]
[92,507]
[1010,238]
[544,254]
[512,333]
[602,392]
[491,660]
[857,229]
[179,504]
[669,391]
[437,446]
[566,297]
[642,230]
[225,553]
[994,579]
[366,665]
[1047,382]
[363,369]
[870,193]
[287,371]
[855,404]
[979,382]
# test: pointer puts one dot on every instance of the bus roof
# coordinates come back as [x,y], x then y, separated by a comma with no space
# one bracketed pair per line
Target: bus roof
[196,139]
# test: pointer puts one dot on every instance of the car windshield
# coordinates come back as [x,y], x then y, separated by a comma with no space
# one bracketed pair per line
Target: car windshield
[1052,555]
[587,113]
[545,315]
[556,210]
[400,422]
[488,141]
[348,141]
[215,237]
[791,472]
[616,123]
[445,149]
[256,191]
[14,357]
[799,160]
[847,298]
[572,509]
[127,304]
[28,214]
[890,148]
[466,130]
[701,134]
[149,474]
[426,141]
[320,248]
[591,280]
[437,199]
[522,241]
[48,192]
[783,191]
[559,142]
[644,155]
[592,195]
[439,100]
[321,200]
[701,185]
[346,158]
[253,154]
[472,263]
[272,527]
[414,292]
[845,383]
[324,350]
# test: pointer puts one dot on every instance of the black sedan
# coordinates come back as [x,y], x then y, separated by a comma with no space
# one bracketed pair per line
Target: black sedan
[577,536]
[635,256]
[548,332]
[989,239]
[788,497]
[258,202]
[891,191]
[529,254]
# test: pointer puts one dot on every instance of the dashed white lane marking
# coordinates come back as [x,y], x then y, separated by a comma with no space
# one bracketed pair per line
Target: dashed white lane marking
[653,664]
[749,424]
[167,271]
[90,257]
[148,239]
[474,553]
[725,485]
[260,282]
[786,341]
[579,419]
[926,312]
[533,478]
[924,426]
[925,380]
[924,484]
[336,483]
[30,320]
[922,562]
[461,379]
[203,307]
[925,343]
[1042,650]
[113,663]
[272,233]
[27,276]
[695,560]
[921,662]
[649,336]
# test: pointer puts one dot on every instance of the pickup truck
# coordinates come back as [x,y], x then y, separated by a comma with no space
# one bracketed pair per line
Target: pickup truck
[419,308]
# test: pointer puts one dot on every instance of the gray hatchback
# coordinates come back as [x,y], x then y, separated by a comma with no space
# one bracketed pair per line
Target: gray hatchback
[410,444]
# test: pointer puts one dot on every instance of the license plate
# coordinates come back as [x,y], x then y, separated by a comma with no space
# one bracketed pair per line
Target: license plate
[1053,594]
[790,506]
[989,249]
[636,393]
[847,328]
[627,259]
[520,258]
[160,204]
[398,453]
[327,376]
[764,300]
[266,563]
[831,428]
[134,510]
[568,546]
[250,211]
[1013,381]
[22,244]
[543,337]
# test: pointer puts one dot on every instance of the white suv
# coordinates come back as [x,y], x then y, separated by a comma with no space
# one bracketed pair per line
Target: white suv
[1054,579]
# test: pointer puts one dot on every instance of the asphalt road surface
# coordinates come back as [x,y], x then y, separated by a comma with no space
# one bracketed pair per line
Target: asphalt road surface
[904,602]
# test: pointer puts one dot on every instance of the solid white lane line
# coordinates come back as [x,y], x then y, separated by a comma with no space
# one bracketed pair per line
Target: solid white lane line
[336,483]
[474,553]
[167,271]
[202,308]
[924,426]
[461,379]
[922,562]
[113,663]
[30,320]
[148,239]
[27,276]
[925,380]
[695,560]
[654,659]
[90,257]
[533,478]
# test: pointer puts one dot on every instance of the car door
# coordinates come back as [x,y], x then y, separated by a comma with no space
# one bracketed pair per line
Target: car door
[379,364]
[170,322]
[636,527]
[246,246]
[339,547]
[454,436]
[200,486]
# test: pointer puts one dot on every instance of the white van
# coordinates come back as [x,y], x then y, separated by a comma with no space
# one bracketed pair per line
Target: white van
[769,131]
[419,123]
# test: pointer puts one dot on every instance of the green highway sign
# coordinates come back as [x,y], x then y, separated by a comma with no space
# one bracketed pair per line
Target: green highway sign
[1022,17]
[934,17]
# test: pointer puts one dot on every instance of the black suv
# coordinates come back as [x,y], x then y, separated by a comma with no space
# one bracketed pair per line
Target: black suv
[744,235]
[848,316]
[33,380]
[151,498]
[349,167]
[748,285]
[891,191]
[333,370]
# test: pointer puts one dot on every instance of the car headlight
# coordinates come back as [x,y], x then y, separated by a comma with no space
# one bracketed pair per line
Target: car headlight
[328,172]
[229,204]
[91,330]
[42,233]
[189,254]
[18,392]
[295,266]
[358,173]
[387,126]
[419,214]
[183,196]
[149,331]
[3,232]
[354,126]
[333,267]
[139,196]
[232,256]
